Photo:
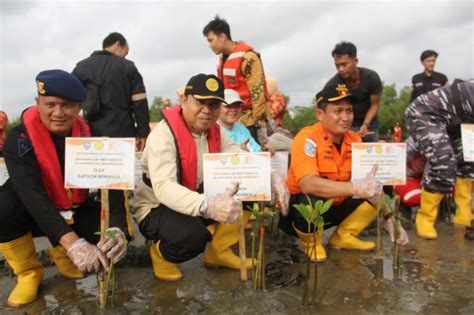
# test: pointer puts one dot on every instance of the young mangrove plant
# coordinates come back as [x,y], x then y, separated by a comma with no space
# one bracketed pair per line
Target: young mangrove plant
[258,266]
[106,280]
[388,208]
[313,214]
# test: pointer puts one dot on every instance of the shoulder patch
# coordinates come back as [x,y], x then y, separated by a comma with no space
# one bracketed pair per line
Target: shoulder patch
[310,148]
[24,146]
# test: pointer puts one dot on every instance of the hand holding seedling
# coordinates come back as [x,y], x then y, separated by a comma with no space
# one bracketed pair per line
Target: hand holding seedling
[114,244]
[87,257]
[280,192]
[402,234]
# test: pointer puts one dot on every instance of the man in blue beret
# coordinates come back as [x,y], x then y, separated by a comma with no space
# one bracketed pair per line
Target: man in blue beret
[34,201]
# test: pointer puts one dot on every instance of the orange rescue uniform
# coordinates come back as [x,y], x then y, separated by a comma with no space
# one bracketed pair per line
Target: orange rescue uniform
[312,153]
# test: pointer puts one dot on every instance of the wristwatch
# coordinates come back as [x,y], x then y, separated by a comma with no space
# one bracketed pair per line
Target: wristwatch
[203,207]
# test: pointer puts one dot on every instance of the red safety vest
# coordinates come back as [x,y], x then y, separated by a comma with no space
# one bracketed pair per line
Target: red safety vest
[230,73]
[40,137]
[187,162]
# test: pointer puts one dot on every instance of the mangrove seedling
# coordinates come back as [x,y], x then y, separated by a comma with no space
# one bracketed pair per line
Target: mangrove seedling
[313,214]
[258,267]
[388,208]
[108,286]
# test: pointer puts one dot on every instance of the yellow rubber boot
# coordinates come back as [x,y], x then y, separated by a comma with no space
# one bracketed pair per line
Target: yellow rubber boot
[220,253]
[163,269]
[426,216]
[21,256]
[462,199]
[65,266]
[345,236]
[307,242]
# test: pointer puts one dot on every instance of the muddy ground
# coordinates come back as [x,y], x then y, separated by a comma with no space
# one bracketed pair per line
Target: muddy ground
[437,277]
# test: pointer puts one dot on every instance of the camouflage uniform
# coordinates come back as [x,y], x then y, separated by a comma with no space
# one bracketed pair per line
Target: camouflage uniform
[432,121]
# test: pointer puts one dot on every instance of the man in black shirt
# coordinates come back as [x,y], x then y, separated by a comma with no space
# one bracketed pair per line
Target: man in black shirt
[34,201]
[429,79]
[120,108]
[116,105]
[364,84]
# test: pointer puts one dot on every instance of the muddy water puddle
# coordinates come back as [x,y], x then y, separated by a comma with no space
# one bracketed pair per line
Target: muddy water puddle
[435,277]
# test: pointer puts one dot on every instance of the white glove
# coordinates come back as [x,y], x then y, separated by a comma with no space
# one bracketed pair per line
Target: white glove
[114,246]
[223,207]
[402,239]
[87,257]
[368,187]
[280,192]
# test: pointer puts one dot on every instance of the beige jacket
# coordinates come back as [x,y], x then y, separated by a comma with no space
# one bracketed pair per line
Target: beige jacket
[159,163]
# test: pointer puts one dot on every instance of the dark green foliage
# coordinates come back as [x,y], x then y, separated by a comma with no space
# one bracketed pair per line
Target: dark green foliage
[155,109]
[298,117]
[392,108]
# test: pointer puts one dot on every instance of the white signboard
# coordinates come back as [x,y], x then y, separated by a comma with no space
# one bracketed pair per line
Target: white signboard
[279,162]
[107,163]
[3,172]
[250,170]
[467,135]
[390,158]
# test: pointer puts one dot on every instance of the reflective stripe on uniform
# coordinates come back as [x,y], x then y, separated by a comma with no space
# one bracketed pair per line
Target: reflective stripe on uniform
[138,97]
[238,54]
[229,72]
[411,194]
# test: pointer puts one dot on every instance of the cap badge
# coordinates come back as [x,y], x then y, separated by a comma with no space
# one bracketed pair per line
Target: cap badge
[342,89]
[212,85]
[40,86]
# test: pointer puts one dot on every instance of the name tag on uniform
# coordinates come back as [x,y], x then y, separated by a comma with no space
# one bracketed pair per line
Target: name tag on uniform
[229,72]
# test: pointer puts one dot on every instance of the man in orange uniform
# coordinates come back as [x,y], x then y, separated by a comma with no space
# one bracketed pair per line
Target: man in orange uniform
[321,168]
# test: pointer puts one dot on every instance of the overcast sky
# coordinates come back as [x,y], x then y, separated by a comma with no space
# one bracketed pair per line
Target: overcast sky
[295,39]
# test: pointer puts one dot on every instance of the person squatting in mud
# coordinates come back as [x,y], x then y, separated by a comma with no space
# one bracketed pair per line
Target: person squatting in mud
[321,157]
[169,205]
[34,200]
[434,121]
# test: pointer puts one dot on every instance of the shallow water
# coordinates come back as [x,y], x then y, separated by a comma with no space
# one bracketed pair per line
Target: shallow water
[435,277]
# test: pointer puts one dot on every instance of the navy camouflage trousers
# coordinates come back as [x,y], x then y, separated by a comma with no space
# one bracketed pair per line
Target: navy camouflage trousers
[443,152]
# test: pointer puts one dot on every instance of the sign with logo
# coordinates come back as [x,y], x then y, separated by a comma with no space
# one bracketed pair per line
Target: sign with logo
[250,170]
[101,163]
[390,158]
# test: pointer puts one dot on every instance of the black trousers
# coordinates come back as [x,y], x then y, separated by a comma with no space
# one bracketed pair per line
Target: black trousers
[182,237]
[15,221]
[334,216]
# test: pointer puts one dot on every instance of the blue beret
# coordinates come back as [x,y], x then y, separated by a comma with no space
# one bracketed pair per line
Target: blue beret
[61,84]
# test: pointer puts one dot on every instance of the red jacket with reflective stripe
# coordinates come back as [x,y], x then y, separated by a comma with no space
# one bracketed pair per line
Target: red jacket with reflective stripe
[40,137]
[187,162]
[230,72]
